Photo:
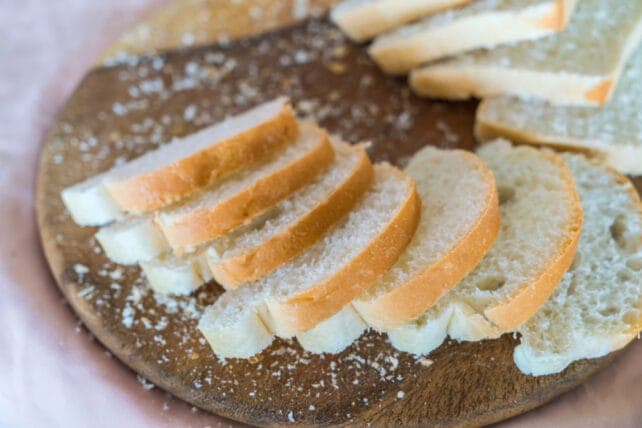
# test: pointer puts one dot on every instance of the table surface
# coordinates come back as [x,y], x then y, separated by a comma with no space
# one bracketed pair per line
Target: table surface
[53,372]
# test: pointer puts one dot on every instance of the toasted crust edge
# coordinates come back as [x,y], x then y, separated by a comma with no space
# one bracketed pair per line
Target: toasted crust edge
[173,182]
[305,310]
[517,309]
[284,246]
[204,225]
[415,296]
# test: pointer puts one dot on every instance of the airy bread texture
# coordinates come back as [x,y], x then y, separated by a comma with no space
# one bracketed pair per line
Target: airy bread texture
[577,66]
[364,19]
[541,221]
[613,132]
[258,248]
[234,202]
[463,29]
[179,169]
[459,223]
[597,308]
[325,278]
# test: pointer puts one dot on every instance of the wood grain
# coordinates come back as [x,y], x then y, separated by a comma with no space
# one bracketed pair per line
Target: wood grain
[120,112]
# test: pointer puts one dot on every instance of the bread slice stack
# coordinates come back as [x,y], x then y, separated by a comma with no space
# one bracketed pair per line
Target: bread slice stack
[482,24]
[613,133]
[580,65]
[311,241]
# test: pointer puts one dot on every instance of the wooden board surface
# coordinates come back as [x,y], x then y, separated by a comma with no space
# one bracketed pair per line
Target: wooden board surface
[119,113]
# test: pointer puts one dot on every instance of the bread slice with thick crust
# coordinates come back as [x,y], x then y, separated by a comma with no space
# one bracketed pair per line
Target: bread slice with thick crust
[217,211]
[258,248]
[580,65]
[597,308]
[541,222]
[183,167]
[364,19]
[325,278]
[459,30]
[612,133]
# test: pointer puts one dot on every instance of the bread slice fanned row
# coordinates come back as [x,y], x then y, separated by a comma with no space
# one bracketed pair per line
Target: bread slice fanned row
[459,223]
[481,24]
[541,221]
[258,248]
[363,19]
[578,66]
[613,132]
[326,277]
[229,205]
[183,167]
[597,308]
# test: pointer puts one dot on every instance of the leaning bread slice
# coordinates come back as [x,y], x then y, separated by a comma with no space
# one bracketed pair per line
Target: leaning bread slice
[459,223]
[463,29]
[364,19]
[613,132]
[325,278]
[177,170]
[541,220]
[579,65]
[258,248]
[597,308]
[229,205]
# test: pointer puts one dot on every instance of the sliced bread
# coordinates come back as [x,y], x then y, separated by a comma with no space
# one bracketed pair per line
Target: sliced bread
[229,205]
[364,19]
[255,250]
[579,65]
[179,169]
[459,223]
[463,29]
[597,308]
[613,132]
[325,278]
[541,221]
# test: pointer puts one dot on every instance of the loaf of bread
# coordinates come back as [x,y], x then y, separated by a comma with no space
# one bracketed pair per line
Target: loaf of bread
[254,250]
[580,65]
[481,24]
[597,308]
[364,19]
[325,278]
[612,132]
[183,167]
[541,221]
[232,203]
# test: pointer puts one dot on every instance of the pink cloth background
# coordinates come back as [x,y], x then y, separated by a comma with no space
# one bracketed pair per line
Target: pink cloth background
[51,372]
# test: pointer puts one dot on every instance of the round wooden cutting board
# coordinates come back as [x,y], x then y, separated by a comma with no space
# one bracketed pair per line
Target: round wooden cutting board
[118,113]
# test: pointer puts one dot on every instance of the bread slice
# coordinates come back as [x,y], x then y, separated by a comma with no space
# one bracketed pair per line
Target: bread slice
[613,132]
[463,29]
[364,19]
[579,65]
[177,170]
[459,223]
[541,220]
[227,206]
[236,202]
[258,248]
[325,278]
[597,308]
